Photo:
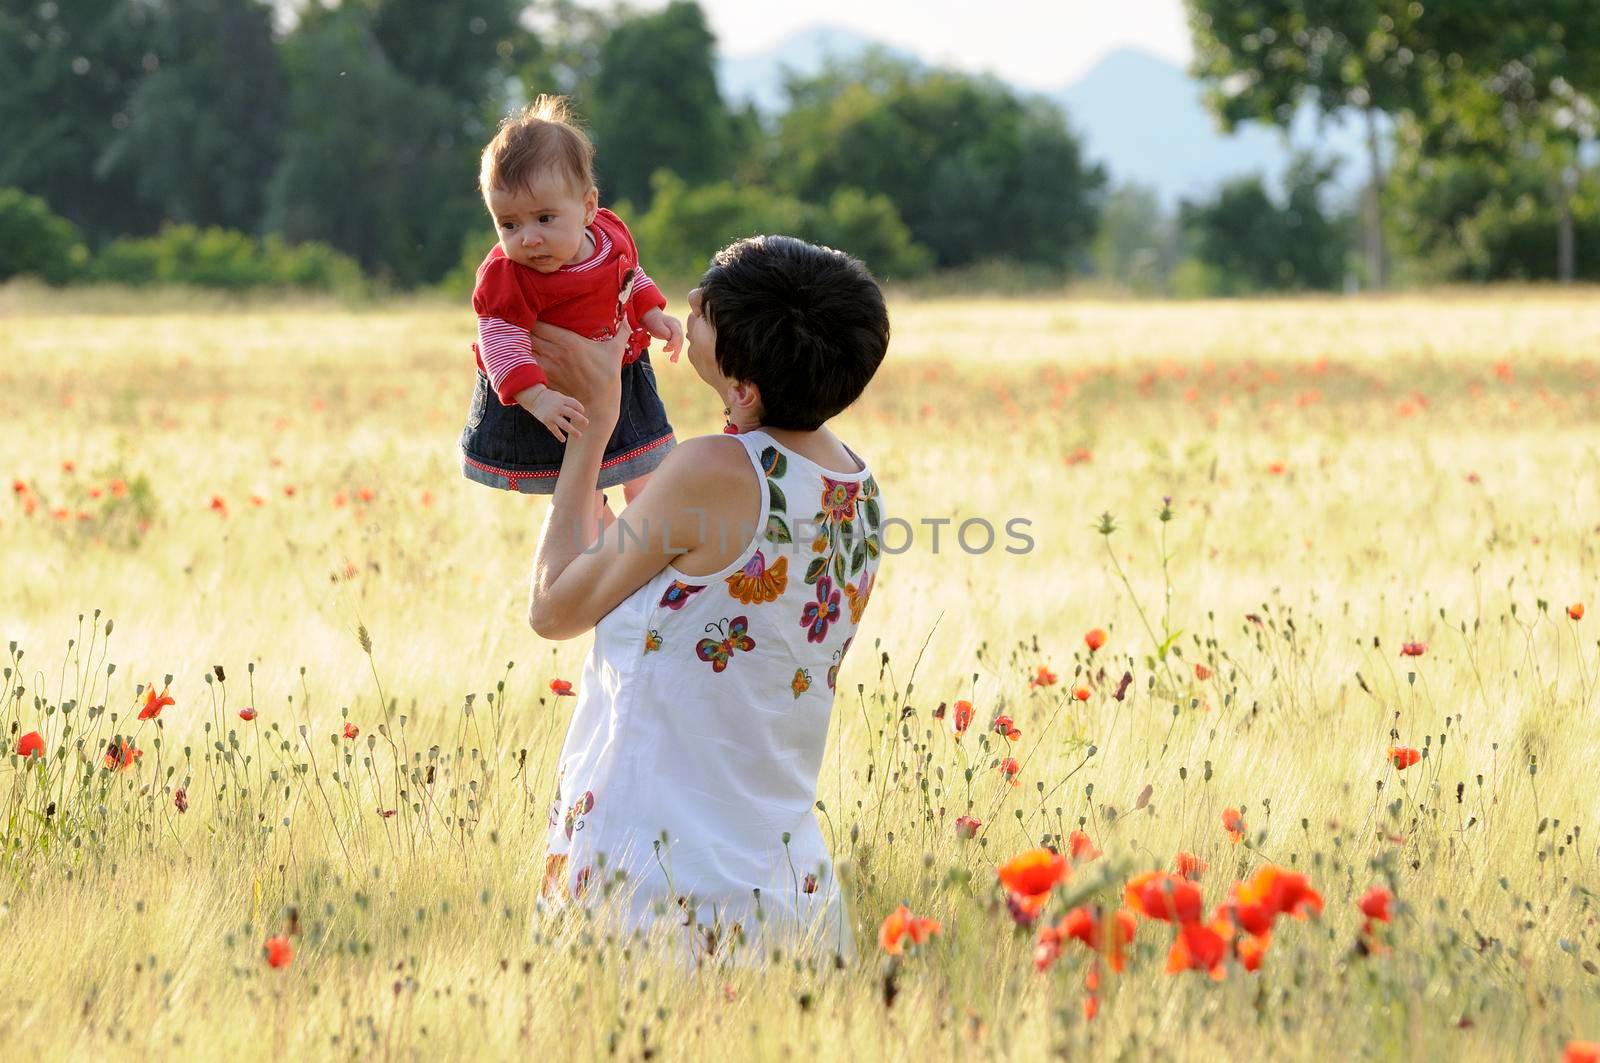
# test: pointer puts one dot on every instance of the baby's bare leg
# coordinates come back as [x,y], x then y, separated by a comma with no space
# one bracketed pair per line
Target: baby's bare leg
[631,489]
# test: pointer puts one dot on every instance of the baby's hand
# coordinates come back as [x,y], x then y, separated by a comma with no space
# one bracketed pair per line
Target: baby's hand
[562,414]
[664,327]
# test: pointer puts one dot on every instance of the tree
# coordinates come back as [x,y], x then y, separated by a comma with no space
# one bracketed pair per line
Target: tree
[66,70]
[1253,243]
[1263,59]
[654,103]
[377,163]
[205,122]
[976,171]
[34,241]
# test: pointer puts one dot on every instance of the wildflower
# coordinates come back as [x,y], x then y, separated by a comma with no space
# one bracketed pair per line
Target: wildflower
[1253,905]
[288,490]
[1582,1052]
[180,800]
[1004,726]
[1402,757]
[120,754]
[809,883]
[1158,895]
[154,703]
[1413,649]
[938,714]
[1029,878]
[1277,468]
[963,717]
[1080,847]
[1201,947]
[1374,904]
[19,487]
[387,813]
[1189,866]
[1043,677]
[1095,638]
[901,924]
[30,744]
[1081,692]
[278,951]
[1251,951]
[1009,768]
[351,731]
[1201,672]
[119,488]
[561,688]
[69,466]
[366,494]
[1088,926]
[1233,823]
[218,506]
[1575,610]
[247,714]
[967,827]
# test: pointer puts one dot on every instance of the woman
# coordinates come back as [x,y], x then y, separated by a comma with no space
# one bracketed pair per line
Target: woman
[723,601]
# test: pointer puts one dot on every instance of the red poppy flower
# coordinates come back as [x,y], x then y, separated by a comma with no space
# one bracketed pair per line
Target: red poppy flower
[561,688]
[1575,610]
[19,487]
[1201,672]
[1004,726]
[1189,866]
[1009,768]
[1043,677]
[218,506]
[1081,692]
[1251,951]
[1095,638]
[1374,904]
[278,951]
[351,731]
[962,718]
[154,703]
[1270,892]
[901,924]
[1201,947]
[30,744]
[247,714]
[180,800]
[1030,877]
[967,827]
[366,494]
[1402,757]
[1582,1052]
[1158,895]
[69,466]
[809,883]
[1413,649]
[1080,847]
[1233,823]
[1088,926]
[121,754]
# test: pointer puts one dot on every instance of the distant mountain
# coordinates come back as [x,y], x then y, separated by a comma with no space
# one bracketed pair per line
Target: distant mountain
[1140,115]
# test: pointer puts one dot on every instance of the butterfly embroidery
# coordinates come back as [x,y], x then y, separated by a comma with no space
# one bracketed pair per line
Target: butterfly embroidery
[857,596]
[838,659]
[801,682]
[822,612]
[757,583]
[735,636]
[652,640]
[678,593]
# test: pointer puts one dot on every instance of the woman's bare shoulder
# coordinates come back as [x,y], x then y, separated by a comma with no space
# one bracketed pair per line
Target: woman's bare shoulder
[706,467]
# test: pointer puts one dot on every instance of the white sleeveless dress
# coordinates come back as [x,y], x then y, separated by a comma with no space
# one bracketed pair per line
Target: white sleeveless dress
[688,779]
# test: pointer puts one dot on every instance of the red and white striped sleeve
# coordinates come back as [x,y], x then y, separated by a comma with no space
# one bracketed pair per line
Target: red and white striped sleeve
[646,296]
[507,354]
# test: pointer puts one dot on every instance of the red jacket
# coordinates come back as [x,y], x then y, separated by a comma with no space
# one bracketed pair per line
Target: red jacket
[510,298]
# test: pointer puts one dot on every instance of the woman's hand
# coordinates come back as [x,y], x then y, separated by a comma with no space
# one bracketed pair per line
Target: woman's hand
[588,370]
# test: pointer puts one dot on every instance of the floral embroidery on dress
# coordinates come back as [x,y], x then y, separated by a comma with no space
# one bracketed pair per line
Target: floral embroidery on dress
[842,541]
[857,596]
[678,593]
[773,466]
[801,682]
[819,614]
[580,808]
[735,636]
[758,582]
[652,640]
[838,659]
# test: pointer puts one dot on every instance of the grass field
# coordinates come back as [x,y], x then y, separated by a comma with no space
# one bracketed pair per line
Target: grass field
[245,490]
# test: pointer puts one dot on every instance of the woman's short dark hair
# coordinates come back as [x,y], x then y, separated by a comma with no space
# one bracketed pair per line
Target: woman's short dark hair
[806,324]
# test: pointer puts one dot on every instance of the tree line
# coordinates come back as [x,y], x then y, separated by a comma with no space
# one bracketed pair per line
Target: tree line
[232,142]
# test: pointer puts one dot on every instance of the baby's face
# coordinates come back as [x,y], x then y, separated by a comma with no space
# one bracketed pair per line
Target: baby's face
[542,225]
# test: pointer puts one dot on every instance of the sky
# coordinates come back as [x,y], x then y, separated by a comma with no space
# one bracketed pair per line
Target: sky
[1039,44]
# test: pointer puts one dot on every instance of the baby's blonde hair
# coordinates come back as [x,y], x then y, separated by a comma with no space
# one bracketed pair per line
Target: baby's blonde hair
[543,139]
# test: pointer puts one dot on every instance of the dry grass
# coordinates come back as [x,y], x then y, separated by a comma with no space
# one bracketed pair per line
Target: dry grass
[1354,473]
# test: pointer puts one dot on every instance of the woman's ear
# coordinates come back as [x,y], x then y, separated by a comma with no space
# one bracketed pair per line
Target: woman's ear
[744,402]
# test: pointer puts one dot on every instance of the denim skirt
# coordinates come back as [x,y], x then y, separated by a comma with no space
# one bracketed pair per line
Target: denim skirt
[508,448]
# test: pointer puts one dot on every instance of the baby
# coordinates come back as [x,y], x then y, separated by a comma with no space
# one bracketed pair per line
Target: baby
[561,259]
